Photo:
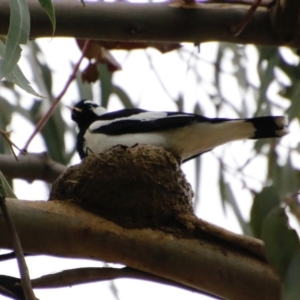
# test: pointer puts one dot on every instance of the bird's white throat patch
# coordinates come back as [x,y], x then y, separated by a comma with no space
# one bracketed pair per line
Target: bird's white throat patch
[99,110]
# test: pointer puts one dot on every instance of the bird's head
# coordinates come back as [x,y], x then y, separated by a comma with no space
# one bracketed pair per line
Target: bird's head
[85,112]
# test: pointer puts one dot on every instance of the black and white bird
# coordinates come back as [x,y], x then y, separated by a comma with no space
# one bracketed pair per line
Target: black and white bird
[185,135]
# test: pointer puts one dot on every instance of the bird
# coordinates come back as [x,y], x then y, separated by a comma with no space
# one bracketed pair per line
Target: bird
[185,135]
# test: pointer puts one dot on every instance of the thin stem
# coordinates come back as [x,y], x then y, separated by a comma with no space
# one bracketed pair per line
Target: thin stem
[24,273]
[238,29]
[10,143]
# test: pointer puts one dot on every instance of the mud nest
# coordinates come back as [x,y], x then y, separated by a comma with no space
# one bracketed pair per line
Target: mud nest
[136,187]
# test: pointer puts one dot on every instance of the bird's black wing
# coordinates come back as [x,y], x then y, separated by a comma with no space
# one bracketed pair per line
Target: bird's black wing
[123,113]
[130,121]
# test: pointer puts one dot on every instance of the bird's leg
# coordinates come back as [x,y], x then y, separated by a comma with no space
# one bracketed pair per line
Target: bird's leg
[88,150]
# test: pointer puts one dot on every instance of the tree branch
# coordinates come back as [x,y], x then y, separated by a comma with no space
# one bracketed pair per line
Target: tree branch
[151,22]
[198,263]
[87,275]
[30,167]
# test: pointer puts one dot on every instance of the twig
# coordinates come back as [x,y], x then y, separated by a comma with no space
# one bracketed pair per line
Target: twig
[25,279]
[49,113]
[237,30]
[10,143]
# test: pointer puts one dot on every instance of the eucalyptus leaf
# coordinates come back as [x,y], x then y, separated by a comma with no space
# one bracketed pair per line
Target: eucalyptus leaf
[123,96]
[268,55]
[53,133]
[294,109]
[291,286]
[5,189]
[290,178]
[18,33]
[198,166]
[84,88]
[17,77]
[106,84]
[281,242]
[292,71]
[263,203]
[42,74]
[49,8]
[222,186]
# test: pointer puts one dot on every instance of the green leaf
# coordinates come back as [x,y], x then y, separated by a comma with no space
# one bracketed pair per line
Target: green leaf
[84,88]
[49,8]
[18,33]
[106,84]
[53,133]
[291,286]
[281,242]
[266,75]
[294,109]
[290,178]
[5,189]
[17,77]
[263,203]
[123,96]
[198,163]
[42,75]
[292,71]
[285,178]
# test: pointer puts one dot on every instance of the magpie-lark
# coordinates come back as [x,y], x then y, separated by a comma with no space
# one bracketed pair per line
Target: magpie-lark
[185,135]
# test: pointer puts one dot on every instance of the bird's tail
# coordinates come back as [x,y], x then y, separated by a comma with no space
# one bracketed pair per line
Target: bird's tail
[268,127]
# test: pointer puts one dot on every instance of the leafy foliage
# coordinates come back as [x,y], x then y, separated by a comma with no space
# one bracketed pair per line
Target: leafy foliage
[263,203]
[49,8]
[5,189]
[267,84]
[18,33]
[283,249]
[254,99]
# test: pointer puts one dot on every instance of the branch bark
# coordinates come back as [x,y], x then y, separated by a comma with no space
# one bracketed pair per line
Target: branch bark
[285,19]
[63,229]
[153,22]
[87,275]
[31,166]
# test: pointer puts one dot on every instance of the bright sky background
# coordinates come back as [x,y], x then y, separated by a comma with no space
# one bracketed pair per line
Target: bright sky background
[140,82]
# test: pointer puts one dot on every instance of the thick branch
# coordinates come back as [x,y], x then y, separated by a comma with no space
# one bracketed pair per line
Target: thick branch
[87,275]
[150,22]
[30,167]
[197,263]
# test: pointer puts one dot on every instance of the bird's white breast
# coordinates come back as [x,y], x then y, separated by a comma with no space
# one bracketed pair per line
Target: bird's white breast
[99,142]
